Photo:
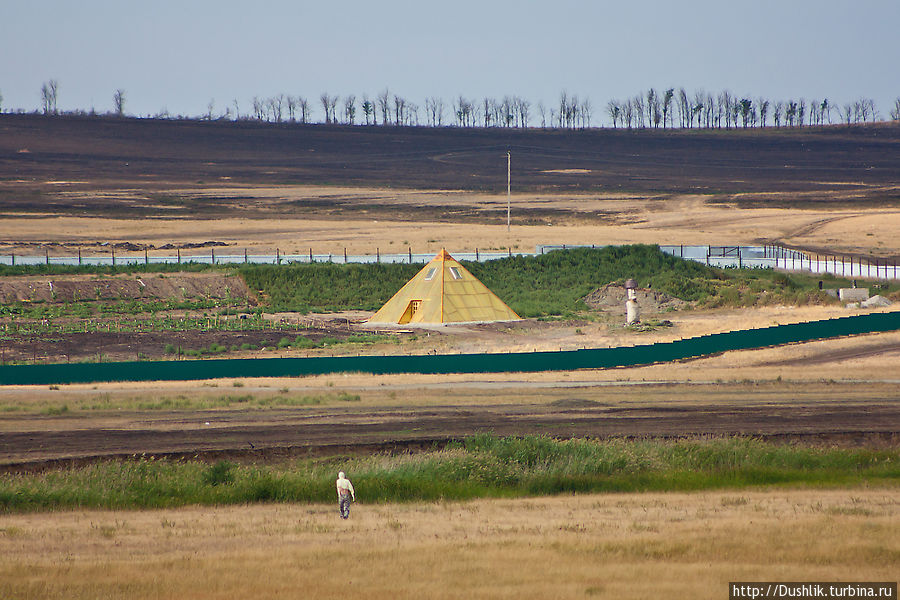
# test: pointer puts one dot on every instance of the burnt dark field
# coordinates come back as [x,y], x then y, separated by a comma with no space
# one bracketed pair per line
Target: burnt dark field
[827,165]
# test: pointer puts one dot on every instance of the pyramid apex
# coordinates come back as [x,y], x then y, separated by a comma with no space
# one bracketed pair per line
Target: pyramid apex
[443,255]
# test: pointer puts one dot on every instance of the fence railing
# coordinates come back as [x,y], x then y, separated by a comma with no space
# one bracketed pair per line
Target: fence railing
[749,257]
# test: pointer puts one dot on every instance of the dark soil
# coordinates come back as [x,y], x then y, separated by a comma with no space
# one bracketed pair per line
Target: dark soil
[114,347]
[834,164]
[275,434]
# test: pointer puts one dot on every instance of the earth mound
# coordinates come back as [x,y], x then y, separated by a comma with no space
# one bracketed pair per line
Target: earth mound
[611,299]
[133,287]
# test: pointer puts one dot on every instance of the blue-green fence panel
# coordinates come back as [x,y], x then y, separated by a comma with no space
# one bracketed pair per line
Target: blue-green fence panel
[598,358]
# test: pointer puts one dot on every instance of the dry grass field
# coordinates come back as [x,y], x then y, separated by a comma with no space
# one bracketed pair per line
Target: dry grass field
[605,546]
[291,219]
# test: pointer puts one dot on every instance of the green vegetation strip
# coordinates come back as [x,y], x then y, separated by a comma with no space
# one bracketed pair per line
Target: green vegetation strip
[534,286]
[482,466]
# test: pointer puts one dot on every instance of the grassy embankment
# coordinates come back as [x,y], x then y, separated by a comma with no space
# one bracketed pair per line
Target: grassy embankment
[482,466]
[551,284]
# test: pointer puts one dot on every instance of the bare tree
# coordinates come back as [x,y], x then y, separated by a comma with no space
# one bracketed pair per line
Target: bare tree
[465,112]
[586,110]
[350,108]
[278,107]
[325,99]
[826,108]
[291,103]
[815,118]
[1,103]
[563,112]
[439,111]
[384,104]
[523,107]
[895,111]
[334,101]
[506,111]
[119,102]
[614,110]
[801,111]
[412,114]
[667,105]
[763,105]
[487,113]
[542,110]
[48,97]
[872,109]
[210,108]
[790,112]
[305,109]
[698,104]
[399,109]
[684,109]
[724,107]
[431,110]
[637,104]
[654,107]
[628,113]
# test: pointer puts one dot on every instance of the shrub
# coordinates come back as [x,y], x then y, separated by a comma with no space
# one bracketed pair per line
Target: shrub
[221,473]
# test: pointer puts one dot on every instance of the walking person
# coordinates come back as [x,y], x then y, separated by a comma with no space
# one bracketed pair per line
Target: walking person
[345,493]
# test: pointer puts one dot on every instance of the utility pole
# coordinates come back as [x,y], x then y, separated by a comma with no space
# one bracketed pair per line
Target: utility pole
[508,160]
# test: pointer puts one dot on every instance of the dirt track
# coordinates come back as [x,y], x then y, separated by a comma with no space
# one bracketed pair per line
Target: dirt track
[868,416]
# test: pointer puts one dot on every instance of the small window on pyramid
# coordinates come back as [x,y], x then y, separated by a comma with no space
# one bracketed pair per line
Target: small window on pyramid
[455,272]
[430,274]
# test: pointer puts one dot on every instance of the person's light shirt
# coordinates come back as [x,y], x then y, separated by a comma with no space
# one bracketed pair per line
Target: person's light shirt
[344,486]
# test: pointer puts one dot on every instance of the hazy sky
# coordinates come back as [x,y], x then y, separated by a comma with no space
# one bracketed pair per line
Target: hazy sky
[180,54]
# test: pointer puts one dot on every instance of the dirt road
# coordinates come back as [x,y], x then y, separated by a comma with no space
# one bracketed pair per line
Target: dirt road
[867,415]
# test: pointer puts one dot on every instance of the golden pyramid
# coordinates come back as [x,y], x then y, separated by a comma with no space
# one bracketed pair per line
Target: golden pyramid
[443,292]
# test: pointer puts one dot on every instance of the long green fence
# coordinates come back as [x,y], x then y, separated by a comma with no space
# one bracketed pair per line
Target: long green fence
[451,363]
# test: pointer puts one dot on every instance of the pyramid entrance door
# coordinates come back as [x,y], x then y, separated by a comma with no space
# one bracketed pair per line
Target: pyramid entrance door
[411,309]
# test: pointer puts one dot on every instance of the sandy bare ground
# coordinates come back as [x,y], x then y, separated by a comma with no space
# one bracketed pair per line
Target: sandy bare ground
[608,546]
[399,219]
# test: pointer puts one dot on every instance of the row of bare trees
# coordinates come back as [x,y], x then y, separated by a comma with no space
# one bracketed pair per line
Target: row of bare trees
[667,108]
[704,109]
[651,109]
